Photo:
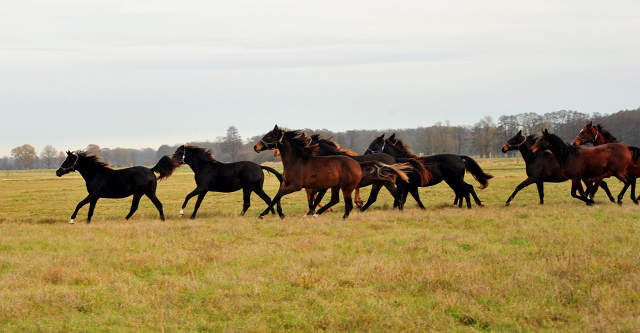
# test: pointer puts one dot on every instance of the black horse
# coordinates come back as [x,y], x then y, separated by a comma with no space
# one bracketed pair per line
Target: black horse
[443,167]
[326,147]
[541,168]
[104,182]
[213,175]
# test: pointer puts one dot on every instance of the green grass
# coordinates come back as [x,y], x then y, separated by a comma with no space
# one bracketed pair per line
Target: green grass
[558,267]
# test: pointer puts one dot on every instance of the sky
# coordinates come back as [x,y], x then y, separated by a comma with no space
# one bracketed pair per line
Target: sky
[138,74]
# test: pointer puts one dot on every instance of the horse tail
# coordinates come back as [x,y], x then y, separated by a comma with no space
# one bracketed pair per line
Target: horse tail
[419,168]
[472,166]
[387,172]
[273,171]
[165,167]
[635,151]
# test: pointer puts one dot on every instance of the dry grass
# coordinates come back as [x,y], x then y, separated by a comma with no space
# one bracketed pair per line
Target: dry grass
[557,267]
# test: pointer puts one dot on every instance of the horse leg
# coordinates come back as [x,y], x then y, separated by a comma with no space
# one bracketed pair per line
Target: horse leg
[373,196]
[522,185]
[314,201]
[198,202]
[358,201]
[605,188]
[348,202]
[540,186]
[574,188]
[632,182]
[416,196]
[260,192]
[394,193]
[335,198]
[92,206]
[246,200]
[472,191]
[84,201]
[401,188]
[189,196]
[134,205]
[157,203]
[285,189]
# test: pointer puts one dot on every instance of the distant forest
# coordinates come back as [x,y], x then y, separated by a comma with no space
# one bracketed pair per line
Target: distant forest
[484,139]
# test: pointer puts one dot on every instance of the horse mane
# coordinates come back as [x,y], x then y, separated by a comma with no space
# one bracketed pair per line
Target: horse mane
[402,146]
[202,153]
[565,147]
[332,145]
[301,143]
[532,138]
[606,133]
[95,160]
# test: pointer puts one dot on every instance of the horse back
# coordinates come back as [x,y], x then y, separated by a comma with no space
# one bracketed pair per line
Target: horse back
[443,166]
[123,182]
[230,177]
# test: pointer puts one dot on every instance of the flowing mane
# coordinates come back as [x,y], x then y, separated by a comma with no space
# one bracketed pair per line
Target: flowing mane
[301,143]
[564,147]
[334,146]
[202,153]
[402,146]
[95,160]
[606,133]
[532,138]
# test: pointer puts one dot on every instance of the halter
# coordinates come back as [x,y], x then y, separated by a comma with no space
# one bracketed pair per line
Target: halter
[184,152]
[72,167]
[518,145]
[379,150]
[592,140]
[275,143]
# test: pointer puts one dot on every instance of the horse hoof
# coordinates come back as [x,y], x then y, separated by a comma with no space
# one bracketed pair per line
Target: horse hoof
[305,216]
[260,217]
[71,222]
[282,217]
[315,216]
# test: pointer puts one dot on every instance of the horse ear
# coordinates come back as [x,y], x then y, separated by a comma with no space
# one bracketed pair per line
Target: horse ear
[380,138]
[276,128]
[519,132]
[589,124]
[69,153]
[545,132]
[393,136]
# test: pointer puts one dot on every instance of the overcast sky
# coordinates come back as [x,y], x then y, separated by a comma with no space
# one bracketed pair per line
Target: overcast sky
[140,74]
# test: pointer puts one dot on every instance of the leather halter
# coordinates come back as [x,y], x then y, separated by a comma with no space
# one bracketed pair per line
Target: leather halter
[518,145]
[275,143]
[592,140]
[72,167]
[379,150]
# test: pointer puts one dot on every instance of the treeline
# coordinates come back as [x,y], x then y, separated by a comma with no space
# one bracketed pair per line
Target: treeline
[484,138]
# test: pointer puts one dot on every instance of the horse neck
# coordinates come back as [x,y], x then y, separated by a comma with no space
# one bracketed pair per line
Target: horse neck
[394,151]
[560,153]
[87,170]
[525,151]
[197,164]
[287,155]
[326,150]
[601,140]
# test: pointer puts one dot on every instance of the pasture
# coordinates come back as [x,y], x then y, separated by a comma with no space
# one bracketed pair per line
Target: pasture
[558,267]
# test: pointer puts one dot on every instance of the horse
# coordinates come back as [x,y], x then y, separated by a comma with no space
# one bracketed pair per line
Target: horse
[371,171]
[102,181]
[213,175]
[442,167]
[541,168]
[590,165]
[598,135]
[303,169]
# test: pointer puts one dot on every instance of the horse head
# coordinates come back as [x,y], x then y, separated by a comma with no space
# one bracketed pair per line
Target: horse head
[69,164]
[588,134]
[515,142]
[270,140]
[543,143]
[376,146]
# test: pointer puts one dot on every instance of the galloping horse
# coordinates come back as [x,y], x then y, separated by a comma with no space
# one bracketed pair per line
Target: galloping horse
[302,169]
[213,175]
[599,136]
[541,168]
[590,165]
[104,182]
[390,169]
[447,167]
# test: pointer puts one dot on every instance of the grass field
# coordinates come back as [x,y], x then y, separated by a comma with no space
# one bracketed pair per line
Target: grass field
[557,267]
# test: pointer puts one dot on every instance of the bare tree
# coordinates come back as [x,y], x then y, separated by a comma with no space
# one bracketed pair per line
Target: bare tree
[232,143]
[25,156]
[49,156]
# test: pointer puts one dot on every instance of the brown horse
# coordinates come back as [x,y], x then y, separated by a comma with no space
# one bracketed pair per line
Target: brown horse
[590,165]
[597,136]
[302,169]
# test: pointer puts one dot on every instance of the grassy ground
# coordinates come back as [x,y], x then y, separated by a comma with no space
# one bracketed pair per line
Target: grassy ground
[558,267]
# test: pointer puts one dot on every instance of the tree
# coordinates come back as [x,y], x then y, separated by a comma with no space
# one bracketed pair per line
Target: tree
[94,150]
[25,156]
[232,143]
[49,156]
[120,157]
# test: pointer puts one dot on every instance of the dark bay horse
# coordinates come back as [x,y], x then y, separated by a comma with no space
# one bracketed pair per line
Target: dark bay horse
[370,163]
[597,136]
[590,165]
[104,182]
[302,169]
[449,168]
[213,175]
[541,168]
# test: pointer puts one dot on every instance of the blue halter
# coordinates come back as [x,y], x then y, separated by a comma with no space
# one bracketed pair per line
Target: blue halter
[379,150]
